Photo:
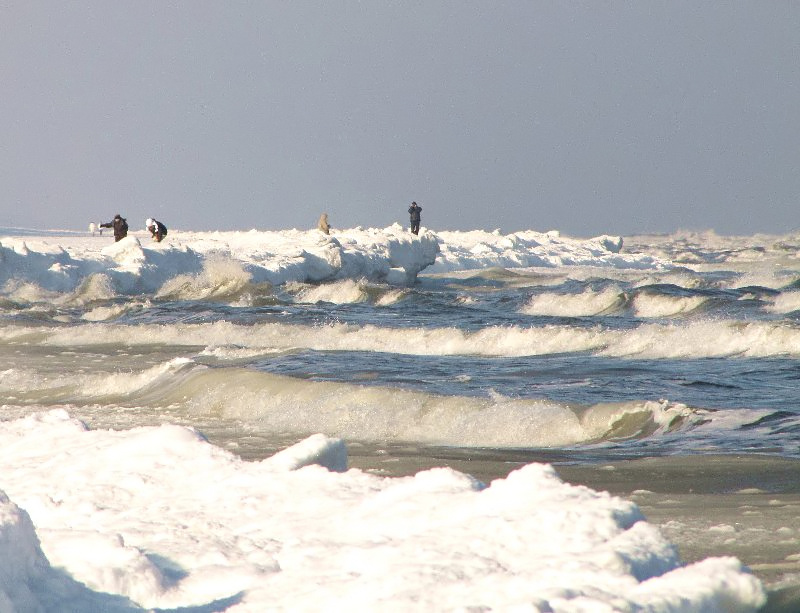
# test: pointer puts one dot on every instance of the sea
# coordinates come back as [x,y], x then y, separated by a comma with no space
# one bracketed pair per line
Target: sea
[672,385]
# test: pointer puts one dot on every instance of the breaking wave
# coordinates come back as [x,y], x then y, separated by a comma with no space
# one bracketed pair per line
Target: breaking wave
[585,304]
[346,291]
[647,305]
[280,405]
[685,339]
[787,302]
[222,279]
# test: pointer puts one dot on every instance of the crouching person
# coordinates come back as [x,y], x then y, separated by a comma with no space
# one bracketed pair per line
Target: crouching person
[157,229]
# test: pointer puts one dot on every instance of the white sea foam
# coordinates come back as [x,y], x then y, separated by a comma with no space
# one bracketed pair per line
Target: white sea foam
[137,517]
[786,302]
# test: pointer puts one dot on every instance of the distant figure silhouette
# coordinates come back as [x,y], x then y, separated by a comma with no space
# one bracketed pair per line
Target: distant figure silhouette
[120,227]
[415,211]
[157,229]
[323,225]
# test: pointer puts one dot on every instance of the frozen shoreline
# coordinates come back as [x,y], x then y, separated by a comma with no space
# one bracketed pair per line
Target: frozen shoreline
[265,338]
[65,261]
[141,519]
[707,505]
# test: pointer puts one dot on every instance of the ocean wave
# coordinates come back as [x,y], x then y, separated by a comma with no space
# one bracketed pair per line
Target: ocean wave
[675,340]
[105,313]
[278,405]
[762,277]
[25,386]
[649,305]
[588,303]
[347,291]
[786,302]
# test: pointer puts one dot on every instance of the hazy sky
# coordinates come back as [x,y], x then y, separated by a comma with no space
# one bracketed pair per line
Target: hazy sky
[586,117]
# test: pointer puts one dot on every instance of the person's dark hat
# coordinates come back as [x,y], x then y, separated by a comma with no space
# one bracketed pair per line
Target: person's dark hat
[413,203]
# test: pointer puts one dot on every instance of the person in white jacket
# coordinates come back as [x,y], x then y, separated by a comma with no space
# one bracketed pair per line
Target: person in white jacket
[157,229]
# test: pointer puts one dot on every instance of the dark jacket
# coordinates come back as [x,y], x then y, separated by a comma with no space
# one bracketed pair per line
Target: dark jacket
[120,227]
[158,230]
[415,211]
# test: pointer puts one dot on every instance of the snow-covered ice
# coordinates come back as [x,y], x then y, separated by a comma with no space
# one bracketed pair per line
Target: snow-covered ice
[68,261]
[156,517]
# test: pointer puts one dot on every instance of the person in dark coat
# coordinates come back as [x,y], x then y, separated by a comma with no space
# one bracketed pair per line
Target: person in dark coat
[119,225]
[415,211]
[157,229]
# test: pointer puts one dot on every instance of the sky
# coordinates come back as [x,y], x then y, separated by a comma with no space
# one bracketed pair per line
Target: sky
[584,117]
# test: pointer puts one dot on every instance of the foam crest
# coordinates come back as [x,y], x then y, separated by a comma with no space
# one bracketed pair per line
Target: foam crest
[690,339]
[787,302]
[392,296]
[585,304]
[346,291]
[283,404]
[629,420]
[647,305]
[276,404]
[222,278]
[94,288]
[686,279]
[105,313]
[25,292]
[142,385]
[22,385]
[231,354]
[504,341]
[705,339]
[764,277]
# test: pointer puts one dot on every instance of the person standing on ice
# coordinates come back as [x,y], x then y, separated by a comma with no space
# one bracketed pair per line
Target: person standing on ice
[415,211]
[323,224]
[157,229]
[119,225]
